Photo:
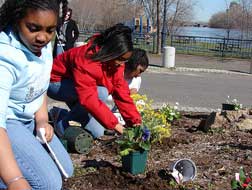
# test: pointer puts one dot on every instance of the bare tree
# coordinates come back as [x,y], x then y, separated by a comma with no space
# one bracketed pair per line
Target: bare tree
[93,14]
[244,18]
[116,11]
[178,12]
[86,13]
[218,20]
[100,14]
[238,15]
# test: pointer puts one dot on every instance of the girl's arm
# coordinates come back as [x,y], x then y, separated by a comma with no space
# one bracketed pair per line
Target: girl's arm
[9,170]
[135,84]
[123,100]
[41,120]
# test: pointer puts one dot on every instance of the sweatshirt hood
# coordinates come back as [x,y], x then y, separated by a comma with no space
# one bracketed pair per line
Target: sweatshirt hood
[8,37]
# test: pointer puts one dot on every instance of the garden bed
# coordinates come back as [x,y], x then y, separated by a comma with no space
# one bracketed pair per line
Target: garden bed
[218,155]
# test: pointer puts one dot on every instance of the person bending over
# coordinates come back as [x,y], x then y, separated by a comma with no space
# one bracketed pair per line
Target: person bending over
[136,65]
[84,76]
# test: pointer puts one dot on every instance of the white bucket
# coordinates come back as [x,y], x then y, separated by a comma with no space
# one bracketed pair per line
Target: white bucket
[183,170]
[169,57]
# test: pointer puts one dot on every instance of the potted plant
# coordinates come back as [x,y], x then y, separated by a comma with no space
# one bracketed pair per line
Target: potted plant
[134,146]
[231,104]
[136,141]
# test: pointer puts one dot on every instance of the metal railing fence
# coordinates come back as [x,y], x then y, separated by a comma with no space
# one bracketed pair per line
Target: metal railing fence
[194,45]
[210,46]
[139,40]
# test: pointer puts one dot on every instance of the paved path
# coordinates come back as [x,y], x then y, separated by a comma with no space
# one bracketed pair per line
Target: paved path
[198,83]
[196,91]
[217,63]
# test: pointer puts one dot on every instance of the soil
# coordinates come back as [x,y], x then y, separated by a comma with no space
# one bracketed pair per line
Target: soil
[218,155]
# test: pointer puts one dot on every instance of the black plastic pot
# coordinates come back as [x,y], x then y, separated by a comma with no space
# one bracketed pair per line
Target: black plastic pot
[229,107]
[78,140]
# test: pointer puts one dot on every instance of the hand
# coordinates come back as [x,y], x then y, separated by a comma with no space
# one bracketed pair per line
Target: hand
[136,125]
[119,128]
[133,91]
[48,130]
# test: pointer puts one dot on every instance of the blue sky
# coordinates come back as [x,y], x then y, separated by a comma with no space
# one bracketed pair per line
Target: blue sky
[205,8]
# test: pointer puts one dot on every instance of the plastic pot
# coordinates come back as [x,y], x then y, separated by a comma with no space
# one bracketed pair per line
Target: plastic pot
[78,140]
[186,168]
[135,162]
[226,106]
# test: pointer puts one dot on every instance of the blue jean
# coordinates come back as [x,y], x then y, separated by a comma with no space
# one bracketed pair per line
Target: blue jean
[34,161]
[65,91]
[59,49]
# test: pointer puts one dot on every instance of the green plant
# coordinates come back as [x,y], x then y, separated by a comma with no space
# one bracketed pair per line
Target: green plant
[154,120]
[175,185]
[171,112]
[234,102]
[154,128]
[241,181]
[134,139]
[80,171]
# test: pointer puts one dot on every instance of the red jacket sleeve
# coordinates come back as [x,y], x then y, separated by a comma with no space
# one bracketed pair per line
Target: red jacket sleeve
[86,88]
[124,102]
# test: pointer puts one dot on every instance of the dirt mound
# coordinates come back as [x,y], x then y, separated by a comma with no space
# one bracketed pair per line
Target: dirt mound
[218,155]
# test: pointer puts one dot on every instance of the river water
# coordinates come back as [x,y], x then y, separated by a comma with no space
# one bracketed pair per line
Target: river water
[213,32]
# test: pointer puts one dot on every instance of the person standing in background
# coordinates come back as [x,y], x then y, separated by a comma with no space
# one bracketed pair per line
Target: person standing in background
[66,35]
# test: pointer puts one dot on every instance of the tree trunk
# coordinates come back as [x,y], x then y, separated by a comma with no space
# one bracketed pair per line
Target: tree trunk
[158,28]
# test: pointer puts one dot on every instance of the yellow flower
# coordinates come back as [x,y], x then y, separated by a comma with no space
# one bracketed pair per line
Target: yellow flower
[155,121]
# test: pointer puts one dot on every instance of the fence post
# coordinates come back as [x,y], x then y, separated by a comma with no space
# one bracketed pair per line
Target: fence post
[223,48]
[171,40]
[250,71]
[154,42]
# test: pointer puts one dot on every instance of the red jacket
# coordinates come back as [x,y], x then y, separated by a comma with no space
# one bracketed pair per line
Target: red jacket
[87,75]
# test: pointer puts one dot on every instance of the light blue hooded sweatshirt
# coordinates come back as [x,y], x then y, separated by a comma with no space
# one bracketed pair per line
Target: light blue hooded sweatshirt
[24,79]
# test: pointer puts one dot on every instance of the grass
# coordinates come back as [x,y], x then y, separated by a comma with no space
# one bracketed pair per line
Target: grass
[80,171]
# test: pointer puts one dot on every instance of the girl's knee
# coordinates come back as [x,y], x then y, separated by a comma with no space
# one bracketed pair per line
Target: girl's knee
[69,169]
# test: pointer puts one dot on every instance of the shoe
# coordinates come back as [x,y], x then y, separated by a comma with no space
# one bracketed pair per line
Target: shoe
[54,114]
[109,132]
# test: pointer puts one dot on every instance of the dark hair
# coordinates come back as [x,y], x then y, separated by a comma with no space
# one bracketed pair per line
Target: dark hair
[13,10]
[112,43]
[139,57]
[70,11]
